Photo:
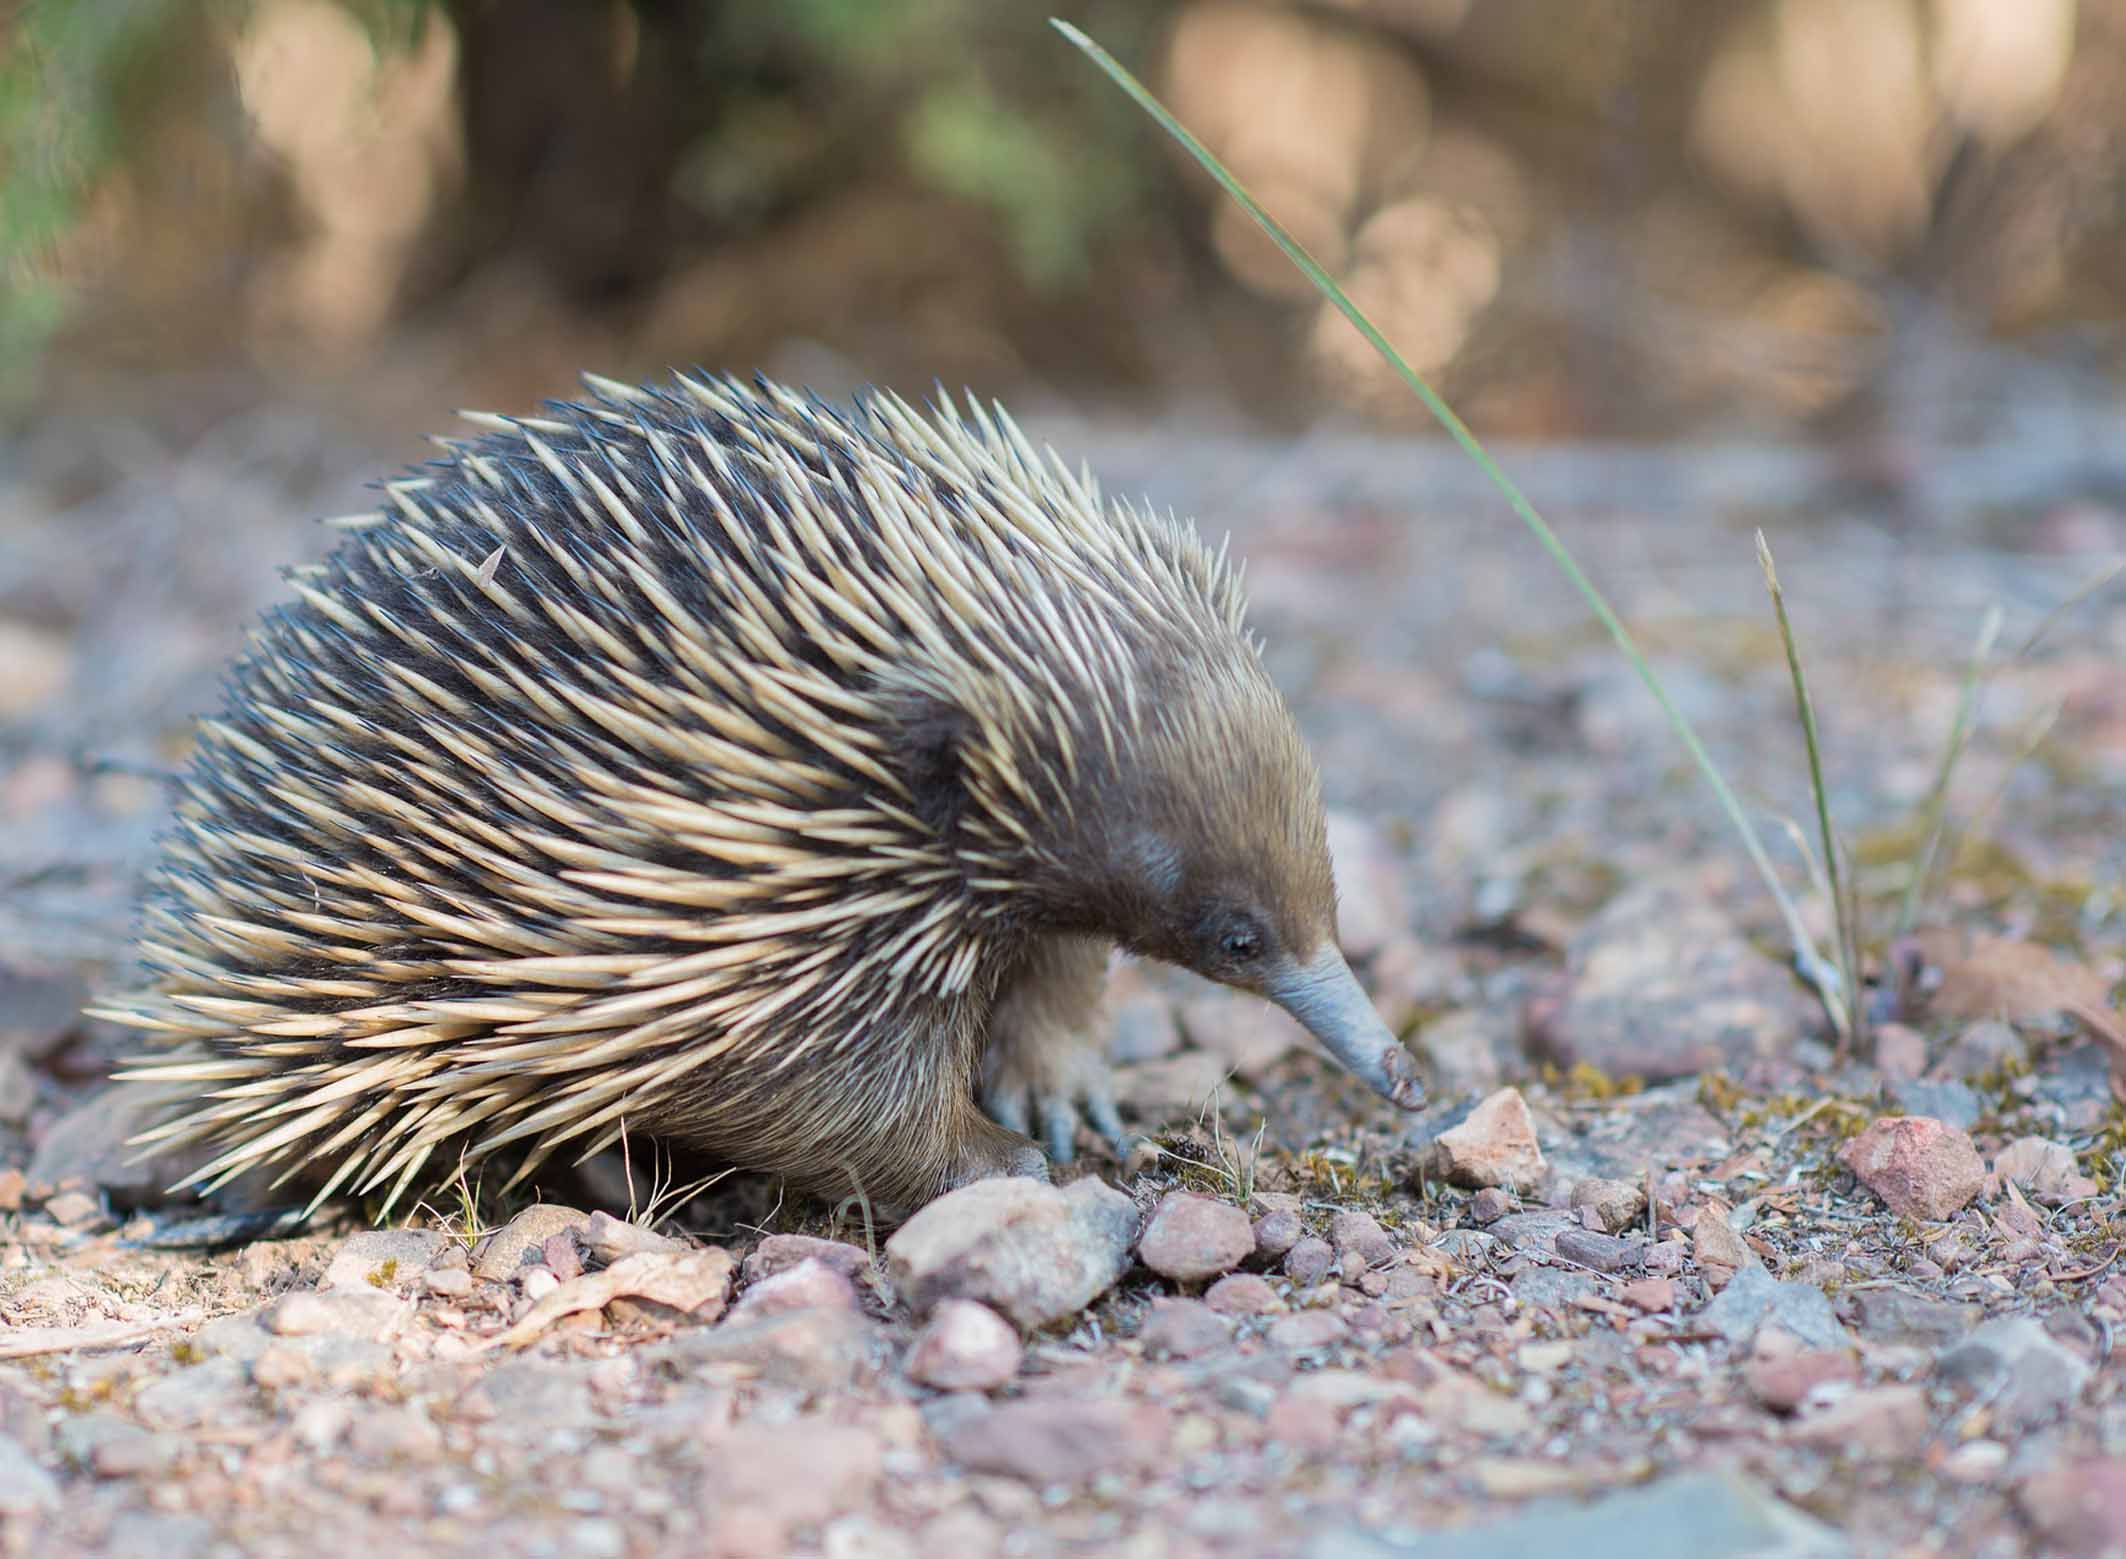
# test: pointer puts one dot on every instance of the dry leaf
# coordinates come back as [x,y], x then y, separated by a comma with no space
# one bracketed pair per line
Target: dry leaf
[697,1284]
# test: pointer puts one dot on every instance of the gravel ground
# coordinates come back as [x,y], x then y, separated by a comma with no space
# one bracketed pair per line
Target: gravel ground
[1659,1271]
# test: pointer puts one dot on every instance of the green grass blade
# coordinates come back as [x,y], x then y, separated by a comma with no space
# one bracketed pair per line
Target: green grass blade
[1805,954]
[1843,908]
[1936,810]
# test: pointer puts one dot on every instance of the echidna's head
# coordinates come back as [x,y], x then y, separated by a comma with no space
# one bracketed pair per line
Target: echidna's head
[1205,846]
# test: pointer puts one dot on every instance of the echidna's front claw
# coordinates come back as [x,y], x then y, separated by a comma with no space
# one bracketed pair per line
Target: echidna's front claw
[1057,1087]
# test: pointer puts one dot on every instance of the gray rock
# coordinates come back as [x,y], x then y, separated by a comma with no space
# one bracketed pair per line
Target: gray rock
[2012,1359]
[89,1142]
[533,1397]
[1059,1441]
[1537,1230]
[1036,1253]
[1697,1515]
[1900,1316]
[1554,1288]
[1603,1252]
[349,1312]
[209,1392]
[155,1534]
[25,1487]
[803,1350]
[237,1337]
[1754,1298]
[113,1446]
[501,1253]
[1952,1103]
[1661,984]
[382,1259]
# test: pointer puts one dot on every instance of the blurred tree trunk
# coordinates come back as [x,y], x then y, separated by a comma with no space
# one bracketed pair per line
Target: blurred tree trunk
[577,115]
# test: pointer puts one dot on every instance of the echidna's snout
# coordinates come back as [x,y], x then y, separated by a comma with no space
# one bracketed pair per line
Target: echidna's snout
[1326,998]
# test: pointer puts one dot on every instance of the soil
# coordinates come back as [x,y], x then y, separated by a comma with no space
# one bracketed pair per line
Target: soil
[1657,1295]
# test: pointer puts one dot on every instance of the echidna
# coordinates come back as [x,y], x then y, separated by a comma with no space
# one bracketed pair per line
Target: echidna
[710,764]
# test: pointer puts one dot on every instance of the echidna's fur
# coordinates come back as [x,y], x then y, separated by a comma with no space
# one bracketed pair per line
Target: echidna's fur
[705,763]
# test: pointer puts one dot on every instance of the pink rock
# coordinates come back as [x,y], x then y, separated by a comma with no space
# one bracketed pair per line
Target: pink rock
[1882,1422]
[1309,1261]
[1372,906]
[1055,1440]
[1183,1329]
[1191,1238]
[1495,1146]
[798,1474]
[1900,1052]
[780,1252]
[1616,1204]
[1782,1383]
[1307,1330]
[1276,1232]
[1243,1293]
[966,1347]
[810,1285]
[1649,1294]
[1490,1205]
[1920,1167]
[2080,1506]
[1360,1242]
[2045,1169]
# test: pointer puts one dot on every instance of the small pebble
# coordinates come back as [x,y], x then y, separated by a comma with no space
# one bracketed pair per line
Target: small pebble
[1183,1329]
[448,1282]
[965,1347]
[1277,1232]
[1490,1205]
[1603,1252]
[1649,1294]
[1309,1261]
[1243,1293]
[1360,1242]
[1616,1204]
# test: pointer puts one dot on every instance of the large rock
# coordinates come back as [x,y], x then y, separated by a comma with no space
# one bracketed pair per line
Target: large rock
[1058,1441]
[1494,1146]
[1191,1238]
[1692,1515]
[1661,984]
[1033,1251]
[1918,1166]
[2025,1375]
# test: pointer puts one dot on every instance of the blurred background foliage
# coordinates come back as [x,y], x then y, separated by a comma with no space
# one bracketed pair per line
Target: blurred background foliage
[1614,217]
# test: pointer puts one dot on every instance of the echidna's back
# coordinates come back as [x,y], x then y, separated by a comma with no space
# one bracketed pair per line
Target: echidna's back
[584,764]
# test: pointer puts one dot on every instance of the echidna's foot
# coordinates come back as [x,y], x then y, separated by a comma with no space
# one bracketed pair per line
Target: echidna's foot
[1048,1087]
[989,1150]
[1044,1070]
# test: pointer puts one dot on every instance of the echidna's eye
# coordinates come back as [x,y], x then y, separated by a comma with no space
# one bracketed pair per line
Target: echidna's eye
[1241,943]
